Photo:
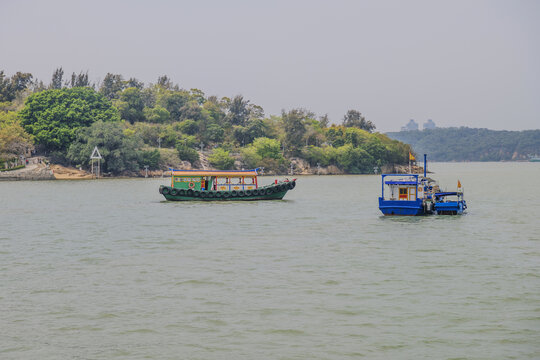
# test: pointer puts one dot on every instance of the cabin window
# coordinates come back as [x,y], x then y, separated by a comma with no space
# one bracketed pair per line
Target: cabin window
[249,180]
[222,180]
[403,193]
[236,180]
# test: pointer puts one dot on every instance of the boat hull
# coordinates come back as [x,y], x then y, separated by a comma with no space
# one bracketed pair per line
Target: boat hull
[274,192]
[450,208]
[401,207]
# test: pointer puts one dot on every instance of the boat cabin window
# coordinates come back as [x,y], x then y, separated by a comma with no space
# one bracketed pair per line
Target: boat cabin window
[249,180]
[236,180]
[222,180]
[403,193]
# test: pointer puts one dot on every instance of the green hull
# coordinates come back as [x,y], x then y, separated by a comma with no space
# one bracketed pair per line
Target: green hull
[272,192]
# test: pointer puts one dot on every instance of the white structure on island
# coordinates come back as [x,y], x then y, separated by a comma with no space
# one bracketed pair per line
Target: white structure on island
[96,157]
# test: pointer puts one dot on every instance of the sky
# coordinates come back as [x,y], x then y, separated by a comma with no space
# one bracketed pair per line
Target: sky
[461,63]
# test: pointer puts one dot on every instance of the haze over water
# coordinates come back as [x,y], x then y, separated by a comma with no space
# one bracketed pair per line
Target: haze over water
[106,269]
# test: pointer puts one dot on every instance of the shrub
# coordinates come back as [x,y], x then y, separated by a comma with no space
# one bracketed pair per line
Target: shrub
[221,159]
[186,153]
[150,158]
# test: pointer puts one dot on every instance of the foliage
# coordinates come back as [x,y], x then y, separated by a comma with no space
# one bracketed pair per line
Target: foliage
[467,144]
[238,111]
[354,160]
[131,105]
[150,158]
[156,114]
[185,153]
[56,81]
[10,87]
[172,101]
[119,152]
[264,152]
[80,80]
[268,148]
[354,118]
[294,128]
[179,121]
[11,168]
[169,158]
[188,126]
[221,159]
[13,139]
[54,117]
[112,85]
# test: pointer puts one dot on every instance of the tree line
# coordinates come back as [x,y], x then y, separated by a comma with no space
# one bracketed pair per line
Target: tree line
[161,124]
[468,144]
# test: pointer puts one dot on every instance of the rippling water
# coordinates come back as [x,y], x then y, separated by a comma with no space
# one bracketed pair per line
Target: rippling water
[107,270]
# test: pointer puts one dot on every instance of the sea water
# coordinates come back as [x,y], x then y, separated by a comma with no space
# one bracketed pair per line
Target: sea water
[108,270]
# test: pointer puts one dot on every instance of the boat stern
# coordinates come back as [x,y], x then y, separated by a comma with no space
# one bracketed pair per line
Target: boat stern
[401,207]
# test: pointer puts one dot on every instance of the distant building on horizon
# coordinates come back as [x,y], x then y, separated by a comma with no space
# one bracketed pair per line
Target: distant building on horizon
[411,126]
[429,124]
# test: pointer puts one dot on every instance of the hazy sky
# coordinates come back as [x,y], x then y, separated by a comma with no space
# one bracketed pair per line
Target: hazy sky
[460,63]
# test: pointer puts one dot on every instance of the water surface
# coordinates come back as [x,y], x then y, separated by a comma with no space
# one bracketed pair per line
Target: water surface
[107,270]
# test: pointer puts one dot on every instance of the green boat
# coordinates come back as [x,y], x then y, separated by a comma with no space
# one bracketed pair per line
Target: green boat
[218,185]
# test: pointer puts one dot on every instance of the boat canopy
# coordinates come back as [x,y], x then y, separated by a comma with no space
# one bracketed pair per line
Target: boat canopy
[395,182]
[217,173]
[446,193]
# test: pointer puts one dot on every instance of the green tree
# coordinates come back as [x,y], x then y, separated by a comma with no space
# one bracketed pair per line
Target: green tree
[356,137]
[150,158]
[112,85]
[212,133]
[80,80]
[13,139]
[185,153]
[238,111]
[268,148]
[295,129]
[221,159]
[165,82]
[120,152]
[131,105]
[9,88]
[355,118]
[157,115]
[132,82]
[54,116]
[354,160]
[188,126]
[173,102]
[264,152]
[56,81]
[324,121]
[255,128]
[192,111]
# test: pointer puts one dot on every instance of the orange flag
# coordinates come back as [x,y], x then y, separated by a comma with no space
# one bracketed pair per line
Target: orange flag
[411,157]
[458,184]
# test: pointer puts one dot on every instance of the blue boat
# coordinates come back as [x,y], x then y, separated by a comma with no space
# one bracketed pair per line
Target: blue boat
[414,195]
[449,203]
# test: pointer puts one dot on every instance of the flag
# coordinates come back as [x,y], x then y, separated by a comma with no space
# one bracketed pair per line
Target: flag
[411,157]
[458,184]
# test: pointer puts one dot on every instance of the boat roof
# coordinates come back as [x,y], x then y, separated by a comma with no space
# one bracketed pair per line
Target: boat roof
[446,193]
[252,172]
[395,182]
